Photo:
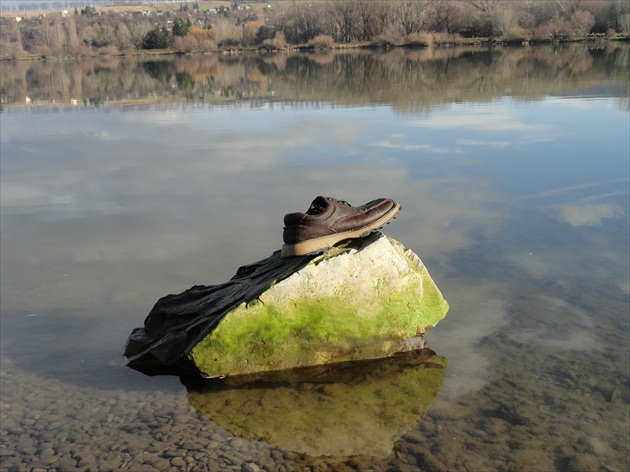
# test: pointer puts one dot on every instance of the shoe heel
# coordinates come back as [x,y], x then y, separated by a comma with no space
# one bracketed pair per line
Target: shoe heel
[310,247]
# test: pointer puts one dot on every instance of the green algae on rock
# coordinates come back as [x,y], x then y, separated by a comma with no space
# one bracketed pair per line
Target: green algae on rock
[368,299]
[347,409]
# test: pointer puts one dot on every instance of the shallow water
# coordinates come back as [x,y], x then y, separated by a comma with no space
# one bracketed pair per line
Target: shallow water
[126,180]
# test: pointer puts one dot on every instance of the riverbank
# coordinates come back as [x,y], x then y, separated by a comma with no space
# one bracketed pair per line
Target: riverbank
[228,27]
[455,42]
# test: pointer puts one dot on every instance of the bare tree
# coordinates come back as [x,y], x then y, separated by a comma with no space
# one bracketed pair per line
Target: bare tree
[343,18]
[227,32]
[486,6]
[364,17]
[568,7]
[138,29]
[98,36]
[488,21]
[52,37]
[380,17]
[73,44]
[411,15]
[307,22]
[122,36]
[582,22]
[620,9]
[11,39]
[298,21]
[446,15]
[507,19]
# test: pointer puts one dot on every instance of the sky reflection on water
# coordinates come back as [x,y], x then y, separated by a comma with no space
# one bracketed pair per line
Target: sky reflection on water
[165,200]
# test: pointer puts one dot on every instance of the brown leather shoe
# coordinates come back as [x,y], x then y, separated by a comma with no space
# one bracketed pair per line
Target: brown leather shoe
[329,221]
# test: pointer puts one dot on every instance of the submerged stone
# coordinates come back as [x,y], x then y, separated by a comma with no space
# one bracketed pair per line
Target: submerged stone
[367,299]
[348,409]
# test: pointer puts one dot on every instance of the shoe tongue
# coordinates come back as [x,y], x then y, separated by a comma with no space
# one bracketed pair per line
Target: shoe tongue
[317,206]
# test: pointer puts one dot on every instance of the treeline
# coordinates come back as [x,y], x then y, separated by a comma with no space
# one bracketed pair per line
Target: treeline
[318,24]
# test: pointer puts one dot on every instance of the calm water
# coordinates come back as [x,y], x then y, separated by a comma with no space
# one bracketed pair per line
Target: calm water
[126,180]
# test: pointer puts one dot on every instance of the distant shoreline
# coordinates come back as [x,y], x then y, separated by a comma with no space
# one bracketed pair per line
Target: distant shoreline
[464,42]
[75,30]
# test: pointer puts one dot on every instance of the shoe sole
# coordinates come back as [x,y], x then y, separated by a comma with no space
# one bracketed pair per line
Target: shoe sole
[323,244]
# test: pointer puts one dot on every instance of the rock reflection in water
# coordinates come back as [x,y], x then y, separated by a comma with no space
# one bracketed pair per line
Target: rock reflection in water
[344,409]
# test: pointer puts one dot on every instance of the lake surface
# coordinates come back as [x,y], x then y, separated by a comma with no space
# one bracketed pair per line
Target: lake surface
[124,180]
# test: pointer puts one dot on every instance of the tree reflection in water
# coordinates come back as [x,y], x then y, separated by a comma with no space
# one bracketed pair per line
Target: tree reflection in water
[409,80]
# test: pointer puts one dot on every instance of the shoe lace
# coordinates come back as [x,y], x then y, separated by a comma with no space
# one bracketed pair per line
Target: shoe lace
[316,208]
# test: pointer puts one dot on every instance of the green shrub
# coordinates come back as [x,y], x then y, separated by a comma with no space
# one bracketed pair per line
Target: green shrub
[157,38]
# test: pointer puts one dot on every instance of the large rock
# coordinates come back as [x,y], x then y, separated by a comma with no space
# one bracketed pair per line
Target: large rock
[367,299]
